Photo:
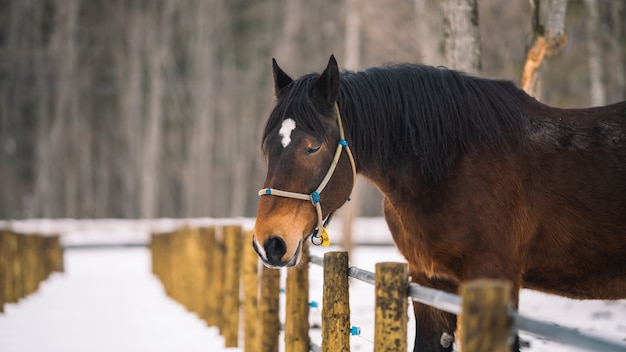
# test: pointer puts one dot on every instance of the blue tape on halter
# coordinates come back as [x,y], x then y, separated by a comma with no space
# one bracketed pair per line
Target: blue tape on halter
[355,330]
[343,143]
[268,191]
[315,197]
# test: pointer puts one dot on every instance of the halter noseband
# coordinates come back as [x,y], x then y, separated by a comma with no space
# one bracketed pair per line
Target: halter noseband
[314,197]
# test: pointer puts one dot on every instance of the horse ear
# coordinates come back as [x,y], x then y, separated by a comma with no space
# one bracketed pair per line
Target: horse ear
[326,88]
[281,79]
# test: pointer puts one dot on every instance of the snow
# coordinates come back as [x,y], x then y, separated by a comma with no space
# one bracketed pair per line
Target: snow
[108,300]
[105,301]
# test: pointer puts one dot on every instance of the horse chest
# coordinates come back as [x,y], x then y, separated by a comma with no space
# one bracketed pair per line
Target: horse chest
[429,252]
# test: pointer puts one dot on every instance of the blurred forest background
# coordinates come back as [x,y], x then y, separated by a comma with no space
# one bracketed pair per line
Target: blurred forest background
[142,109]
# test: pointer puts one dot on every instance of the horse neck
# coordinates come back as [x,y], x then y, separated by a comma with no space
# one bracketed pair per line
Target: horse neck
[373,161]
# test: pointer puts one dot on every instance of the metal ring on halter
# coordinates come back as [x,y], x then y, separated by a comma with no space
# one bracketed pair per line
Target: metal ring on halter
[319,238]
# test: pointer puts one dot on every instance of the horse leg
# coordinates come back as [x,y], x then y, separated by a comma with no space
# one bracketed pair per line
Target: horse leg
[434,329]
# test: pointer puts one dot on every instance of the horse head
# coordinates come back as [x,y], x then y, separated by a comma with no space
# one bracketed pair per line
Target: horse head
[307,177]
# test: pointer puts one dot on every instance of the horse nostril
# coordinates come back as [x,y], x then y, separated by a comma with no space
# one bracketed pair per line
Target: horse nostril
[275,249]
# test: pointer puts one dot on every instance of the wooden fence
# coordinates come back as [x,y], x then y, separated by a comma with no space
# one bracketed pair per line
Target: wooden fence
[25,261]
[215,273]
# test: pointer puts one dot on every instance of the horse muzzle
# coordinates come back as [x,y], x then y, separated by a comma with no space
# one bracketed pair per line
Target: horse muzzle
[273,251]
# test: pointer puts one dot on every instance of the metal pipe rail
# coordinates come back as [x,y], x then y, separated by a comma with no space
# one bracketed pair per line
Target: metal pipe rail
[452,304]
[565,335]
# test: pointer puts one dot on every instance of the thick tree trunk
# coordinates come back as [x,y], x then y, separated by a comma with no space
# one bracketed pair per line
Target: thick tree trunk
[60,151]
[352,60]
[158,47]
[594,44]
[547,40]
[617,15]
[292,23]
[426,40]
[352,210]
[198,184]
[461,35]
[128,69]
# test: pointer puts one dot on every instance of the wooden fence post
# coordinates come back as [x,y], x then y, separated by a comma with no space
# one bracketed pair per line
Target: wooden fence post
[297,305]
[58,265]
[40,259]
[269,309]
[212,267]
[29,274]
[391,319]
[336,303]
[485,317]
[155,255]
[19,266]
[232,276]
[250,281]
[48,255]
[186,260]
[4,268]
[199,274]
[163,264]
[174,266]
[15,278]
[25,261]
[218,281]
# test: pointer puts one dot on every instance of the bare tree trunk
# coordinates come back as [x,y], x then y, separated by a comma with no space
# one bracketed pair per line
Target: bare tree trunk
[291,28]
[618,13]
[128,67]
[352,59]
[64,194]
[350,211]
[42,207]
[461,35]
[158,46]
[547,40]
[10,103]
[198,182]
[594,39]
[427,42]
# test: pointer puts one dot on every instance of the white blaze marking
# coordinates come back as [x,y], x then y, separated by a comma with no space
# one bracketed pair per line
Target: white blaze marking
[285,131]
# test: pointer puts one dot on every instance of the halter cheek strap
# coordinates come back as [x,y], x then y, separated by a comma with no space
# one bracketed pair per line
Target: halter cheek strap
[314,197]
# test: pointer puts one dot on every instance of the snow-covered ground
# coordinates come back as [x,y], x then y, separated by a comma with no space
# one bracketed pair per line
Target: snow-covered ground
[108,300]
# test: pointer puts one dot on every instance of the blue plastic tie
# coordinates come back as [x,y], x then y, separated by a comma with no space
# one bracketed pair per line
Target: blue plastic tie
[315,197]
[268,191]
[355,330]
[313,304]
[282,290]
[343,143]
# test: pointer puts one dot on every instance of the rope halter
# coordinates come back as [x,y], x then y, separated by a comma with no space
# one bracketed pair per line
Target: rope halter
[314,197]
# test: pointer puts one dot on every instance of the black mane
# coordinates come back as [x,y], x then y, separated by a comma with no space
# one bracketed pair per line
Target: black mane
[405,111]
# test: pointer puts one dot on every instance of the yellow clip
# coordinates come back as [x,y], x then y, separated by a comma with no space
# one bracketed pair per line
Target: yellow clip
[325,238]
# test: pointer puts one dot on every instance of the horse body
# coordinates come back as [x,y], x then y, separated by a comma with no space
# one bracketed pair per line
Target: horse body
[550,215]
[479,181]
[576,184]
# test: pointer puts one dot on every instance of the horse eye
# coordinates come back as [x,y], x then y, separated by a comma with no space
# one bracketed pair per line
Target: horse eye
[312,150]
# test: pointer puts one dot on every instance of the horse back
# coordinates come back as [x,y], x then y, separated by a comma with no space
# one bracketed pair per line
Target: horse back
[574,177]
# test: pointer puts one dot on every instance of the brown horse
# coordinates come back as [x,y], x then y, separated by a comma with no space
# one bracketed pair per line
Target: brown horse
[479,180]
